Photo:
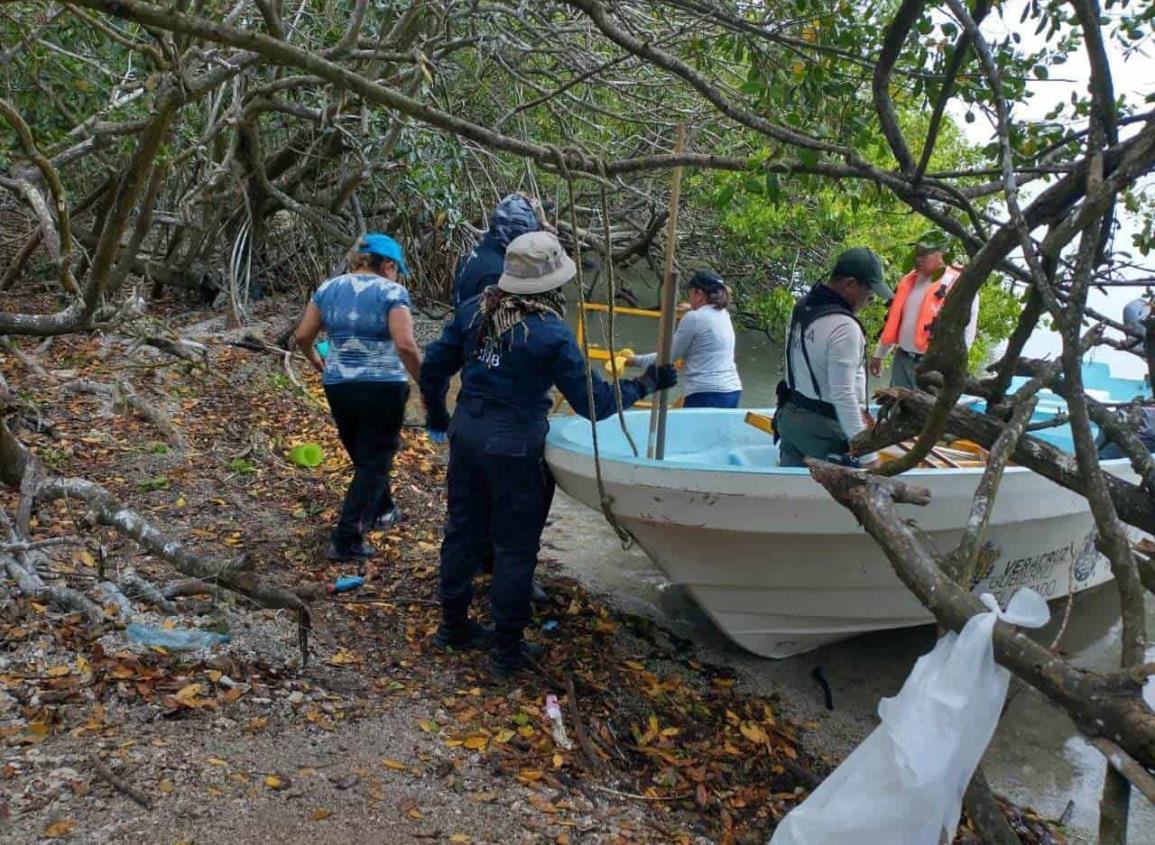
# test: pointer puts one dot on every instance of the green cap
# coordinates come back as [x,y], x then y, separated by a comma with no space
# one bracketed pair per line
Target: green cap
[864,265]
[932,240]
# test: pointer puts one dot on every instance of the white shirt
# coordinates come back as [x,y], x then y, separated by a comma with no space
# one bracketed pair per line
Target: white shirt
[836,346]
[704,339]
[908,325]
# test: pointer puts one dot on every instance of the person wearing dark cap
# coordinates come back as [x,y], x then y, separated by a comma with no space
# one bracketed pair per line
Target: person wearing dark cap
[514,216]
[512,345]
[822,400]
[704,340]
[920,296]
[365,314]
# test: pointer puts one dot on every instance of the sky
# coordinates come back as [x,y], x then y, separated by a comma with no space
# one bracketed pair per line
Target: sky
[1134,76]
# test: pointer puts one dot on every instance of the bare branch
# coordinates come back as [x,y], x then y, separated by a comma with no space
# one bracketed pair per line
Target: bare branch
[892,41]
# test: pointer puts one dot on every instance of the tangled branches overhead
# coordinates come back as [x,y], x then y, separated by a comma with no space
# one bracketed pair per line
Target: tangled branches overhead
[234,148]
[224,148]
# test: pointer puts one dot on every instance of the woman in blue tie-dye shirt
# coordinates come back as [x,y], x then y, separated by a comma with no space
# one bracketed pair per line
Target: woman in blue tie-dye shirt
[365,314]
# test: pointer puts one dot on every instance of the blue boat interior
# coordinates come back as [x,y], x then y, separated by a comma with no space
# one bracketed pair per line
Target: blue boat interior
[707,438]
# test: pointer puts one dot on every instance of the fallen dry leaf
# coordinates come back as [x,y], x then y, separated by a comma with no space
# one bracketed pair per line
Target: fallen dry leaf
[321,815]
[754,733]
[396,765]
[188,695]
[60,829]
[276,782]
[344,657]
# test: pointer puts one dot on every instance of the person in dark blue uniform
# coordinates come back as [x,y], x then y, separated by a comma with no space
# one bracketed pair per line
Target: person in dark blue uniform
[483,266]
[513,216]
[512,345]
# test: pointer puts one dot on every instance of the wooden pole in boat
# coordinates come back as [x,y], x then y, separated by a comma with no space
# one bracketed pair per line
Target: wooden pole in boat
[656,445]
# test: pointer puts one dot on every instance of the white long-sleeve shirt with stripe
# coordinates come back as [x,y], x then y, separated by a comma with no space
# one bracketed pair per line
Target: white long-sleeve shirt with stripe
[837,349]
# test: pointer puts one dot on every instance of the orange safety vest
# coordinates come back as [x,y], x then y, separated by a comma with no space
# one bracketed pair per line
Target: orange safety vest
[932,303]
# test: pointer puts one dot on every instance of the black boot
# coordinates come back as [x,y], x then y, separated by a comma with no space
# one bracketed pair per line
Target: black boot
[364,549]
[511,654]
[466,635]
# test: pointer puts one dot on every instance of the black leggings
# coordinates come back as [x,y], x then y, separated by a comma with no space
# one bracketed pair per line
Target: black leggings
[369,415]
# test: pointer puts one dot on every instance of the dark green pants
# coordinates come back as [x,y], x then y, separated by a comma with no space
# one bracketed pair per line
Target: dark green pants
[805,434]
[902,370]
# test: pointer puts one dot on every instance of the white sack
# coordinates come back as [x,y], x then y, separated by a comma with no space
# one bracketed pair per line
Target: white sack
[904,784]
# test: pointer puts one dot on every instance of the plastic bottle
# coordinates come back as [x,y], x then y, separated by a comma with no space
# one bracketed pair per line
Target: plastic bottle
[557,724]
[346,583]
[176,639]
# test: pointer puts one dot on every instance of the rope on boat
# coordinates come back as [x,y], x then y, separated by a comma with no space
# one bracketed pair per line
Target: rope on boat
[605,500]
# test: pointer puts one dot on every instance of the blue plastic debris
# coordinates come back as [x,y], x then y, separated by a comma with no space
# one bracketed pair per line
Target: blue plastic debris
[346,583]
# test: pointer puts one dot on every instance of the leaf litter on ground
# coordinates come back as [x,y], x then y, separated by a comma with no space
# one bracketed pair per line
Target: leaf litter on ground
[683,752]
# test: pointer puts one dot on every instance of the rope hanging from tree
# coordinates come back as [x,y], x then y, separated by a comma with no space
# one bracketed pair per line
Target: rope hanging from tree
[604,497]
[607,251]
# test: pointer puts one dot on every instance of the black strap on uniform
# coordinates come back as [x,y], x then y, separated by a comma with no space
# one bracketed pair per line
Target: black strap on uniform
[804,316]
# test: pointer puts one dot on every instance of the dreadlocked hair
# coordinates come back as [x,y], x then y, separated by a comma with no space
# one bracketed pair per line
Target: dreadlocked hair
[501,311]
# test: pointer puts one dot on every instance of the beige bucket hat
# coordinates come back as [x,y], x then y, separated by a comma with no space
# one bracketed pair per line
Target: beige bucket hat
[535,263]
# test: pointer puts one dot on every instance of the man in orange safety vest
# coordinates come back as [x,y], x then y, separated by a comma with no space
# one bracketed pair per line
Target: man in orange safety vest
[910,321]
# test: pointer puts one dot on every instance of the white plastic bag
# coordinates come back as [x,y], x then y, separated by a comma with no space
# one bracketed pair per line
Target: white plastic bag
[904,784]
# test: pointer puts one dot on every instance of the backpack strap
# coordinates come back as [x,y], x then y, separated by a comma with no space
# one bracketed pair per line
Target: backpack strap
[804,317]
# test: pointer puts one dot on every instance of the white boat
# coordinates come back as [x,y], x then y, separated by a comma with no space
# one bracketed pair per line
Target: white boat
[781,567]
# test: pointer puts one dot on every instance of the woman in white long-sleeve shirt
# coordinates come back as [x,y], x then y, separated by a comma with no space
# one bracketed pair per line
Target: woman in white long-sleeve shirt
[704,340]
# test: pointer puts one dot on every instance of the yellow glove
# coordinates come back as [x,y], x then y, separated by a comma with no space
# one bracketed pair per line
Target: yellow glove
[622,356]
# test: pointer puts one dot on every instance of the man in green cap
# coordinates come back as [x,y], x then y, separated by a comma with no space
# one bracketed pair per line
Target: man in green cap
[910,321]
[822,400]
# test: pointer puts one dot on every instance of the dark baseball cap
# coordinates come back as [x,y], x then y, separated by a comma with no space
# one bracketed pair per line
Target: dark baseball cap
[706,280]
[863,265]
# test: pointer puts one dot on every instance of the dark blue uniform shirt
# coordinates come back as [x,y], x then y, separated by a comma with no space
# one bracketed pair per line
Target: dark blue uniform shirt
[517,374]
[481,268]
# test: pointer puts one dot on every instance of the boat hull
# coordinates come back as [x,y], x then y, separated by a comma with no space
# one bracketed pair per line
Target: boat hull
[781,567]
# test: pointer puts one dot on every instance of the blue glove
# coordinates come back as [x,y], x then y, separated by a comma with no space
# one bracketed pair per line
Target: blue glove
[438,437]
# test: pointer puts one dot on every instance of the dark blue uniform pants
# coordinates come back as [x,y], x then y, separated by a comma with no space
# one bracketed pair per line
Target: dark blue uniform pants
[500,492]
[713,399]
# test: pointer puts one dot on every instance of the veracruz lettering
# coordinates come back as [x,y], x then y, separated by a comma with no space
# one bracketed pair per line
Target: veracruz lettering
[1034,569]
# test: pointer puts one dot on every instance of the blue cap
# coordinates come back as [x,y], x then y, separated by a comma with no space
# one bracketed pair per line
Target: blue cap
[384,246]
